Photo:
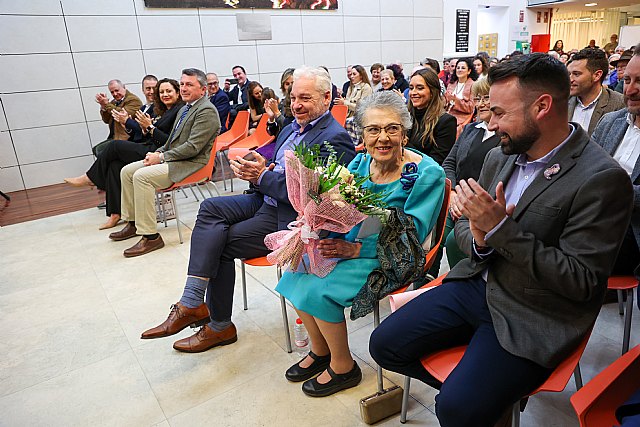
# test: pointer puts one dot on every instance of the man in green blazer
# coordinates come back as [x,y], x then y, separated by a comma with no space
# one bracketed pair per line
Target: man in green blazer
[186,151]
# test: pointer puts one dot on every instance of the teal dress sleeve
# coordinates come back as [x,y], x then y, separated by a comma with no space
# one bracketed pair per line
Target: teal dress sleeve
[426,197]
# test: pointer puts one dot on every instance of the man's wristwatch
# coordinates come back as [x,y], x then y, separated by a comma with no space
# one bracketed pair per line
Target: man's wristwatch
[161,157]
[150,128]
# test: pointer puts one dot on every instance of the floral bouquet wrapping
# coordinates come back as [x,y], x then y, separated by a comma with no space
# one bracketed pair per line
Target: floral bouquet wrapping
[327,197]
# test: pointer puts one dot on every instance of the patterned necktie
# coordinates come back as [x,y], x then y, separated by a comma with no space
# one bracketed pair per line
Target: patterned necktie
[182,116]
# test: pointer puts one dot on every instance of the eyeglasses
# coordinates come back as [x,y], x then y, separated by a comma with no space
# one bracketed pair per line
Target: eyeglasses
[391,129]
[479,99]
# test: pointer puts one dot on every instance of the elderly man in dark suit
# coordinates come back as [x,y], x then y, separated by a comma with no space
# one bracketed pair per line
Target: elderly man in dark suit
[619,134]
[590,100]
[219,99]
[542,229]
[186,151]
[235,226]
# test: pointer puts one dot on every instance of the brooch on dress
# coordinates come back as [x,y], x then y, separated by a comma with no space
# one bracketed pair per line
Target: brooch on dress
[550,171]
[409,176]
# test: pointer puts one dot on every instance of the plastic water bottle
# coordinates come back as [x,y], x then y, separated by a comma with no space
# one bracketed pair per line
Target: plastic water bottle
[300,337]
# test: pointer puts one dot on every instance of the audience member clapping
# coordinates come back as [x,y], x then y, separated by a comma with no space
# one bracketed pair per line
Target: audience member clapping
[458,94]
[320,302]
[466,159]
[105,171]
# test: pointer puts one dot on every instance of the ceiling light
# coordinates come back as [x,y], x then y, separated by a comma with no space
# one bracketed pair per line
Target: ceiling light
[590,4]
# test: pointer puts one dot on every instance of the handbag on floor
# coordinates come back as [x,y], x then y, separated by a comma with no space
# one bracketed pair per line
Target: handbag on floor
[380,405]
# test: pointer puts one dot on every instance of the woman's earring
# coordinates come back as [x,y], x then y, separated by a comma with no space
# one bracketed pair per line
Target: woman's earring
[402,156]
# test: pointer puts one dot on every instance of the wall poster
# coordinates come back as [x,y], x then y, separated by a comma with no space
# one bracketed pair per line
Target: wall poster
[246,4]
[462,30]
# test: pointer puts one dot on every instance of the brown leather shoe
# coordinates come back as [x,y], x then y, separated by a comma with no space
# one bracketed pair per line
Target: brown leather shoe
[179,318]
[127,232]
[144,246]
[206,338]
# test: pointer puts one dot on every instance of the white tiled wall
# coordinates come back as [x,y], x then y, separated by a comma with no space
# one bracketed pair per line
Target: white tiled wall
[55,55]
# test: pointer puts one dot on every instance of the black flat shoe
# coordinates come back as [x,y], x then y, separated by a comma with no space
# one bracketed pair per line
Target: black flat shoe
[296,373]
[338,382]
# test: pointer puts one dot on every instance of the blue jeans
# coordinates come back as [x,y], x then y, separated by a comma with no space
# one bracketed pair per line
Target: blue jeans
[487,381]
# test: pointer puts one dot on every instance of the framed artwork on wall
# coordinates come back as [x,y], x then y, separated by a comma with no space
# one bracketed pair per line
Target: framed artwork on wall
[246,4]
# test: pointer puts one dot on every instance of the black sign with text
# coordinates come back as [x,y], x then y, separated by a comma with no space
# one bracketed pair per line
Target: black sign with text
[462,30]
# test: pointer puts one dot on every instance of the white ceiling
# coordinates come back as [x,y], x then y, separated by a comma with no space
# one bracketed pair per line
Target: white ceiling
[629,6]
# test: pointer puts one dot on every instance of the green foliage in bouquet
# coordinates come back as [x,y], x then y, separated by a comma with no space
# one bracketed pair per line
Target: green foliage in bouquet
[331,173]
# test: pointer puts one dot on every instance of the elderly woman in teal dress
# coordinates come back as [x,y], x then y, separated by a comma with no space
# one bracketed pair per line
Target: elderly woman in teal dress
[320,302]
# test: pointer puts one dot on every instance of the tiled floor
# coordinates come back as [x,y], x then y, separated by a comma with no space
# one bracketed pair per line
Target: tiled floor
[72,310]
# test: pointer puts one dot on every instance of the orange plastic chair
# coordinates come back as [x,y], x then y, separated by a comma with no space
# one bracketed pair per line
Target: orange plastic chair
[258,139]
[263,262]
[339,112]
[596,402]
[622,284]
[201,176]
[238,131]
[442,363]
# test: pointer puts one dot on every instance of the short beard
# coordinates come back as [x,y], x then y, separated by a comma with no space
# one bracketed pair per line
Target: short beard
[635,111]
[521,143]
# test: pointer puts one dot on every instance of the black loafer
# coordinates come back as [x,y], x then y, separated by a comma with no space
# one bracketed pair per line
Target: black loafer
[296,373]
[338,382]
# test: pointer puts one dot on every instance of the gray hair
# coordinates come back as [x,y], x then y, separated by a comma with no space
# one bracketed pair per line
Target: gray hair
[385,100]
[320,75]
[116,81]
[200,75]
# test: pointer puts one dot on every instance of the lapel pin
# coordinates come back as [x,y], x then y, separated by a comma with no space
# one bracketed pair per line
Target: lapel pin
[550,171]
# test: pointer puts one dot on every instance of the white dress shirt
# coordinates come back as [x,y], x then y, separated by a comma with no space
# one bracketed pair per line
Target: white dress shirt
[628,151]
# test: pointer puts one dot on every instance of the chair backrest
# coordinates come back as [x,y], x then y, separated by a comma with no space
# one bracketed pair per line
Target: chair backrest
[339,113]
[238,130]
[596,402]
[258,139]
[203,174]
[440,225]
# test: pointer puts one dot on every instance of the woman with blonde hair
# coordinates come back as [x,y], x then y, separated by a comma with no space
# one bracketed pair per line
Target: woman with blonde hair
[434,131]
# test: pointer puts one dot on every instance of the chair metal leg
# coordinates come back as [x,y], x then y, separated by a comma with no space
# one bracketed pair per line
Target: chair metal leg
[627,321]
[577,376]
[194,193]
[620,302]
[285,324]
[376,323]
[221,162]
[285,316]
[175,207]
[200,190]
[206,185]
[243,271]
[405,399]
[515,414]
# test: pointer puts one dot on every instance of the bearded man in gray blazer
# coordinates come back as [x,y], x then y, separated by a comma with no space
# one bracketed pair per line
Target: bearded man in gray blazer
[542,229]
[186,151]
[619,134]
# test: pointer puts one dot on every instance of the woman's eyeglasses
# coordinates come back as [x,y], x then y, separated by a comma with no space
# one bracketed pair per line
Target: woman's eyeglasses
[391,129]
[479,99]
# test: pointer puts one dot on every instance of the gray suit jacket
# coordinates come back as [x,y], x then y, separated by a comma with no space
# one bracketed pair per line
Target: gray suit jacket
[608,135]
[189,147]
[551,260]
[609,101]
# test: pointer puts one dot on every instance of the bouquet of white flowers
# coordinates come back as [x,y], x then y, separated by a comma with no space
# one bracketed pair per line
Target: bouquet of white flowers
[327,197]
